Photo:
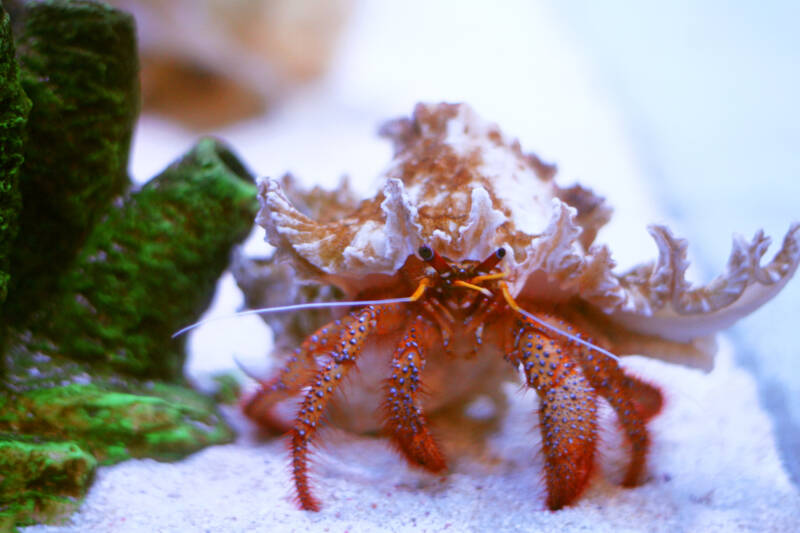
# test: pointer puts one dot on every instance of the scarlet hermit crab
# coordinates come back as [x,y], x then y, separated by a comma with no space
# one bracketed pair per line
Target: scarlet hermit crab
[469,266]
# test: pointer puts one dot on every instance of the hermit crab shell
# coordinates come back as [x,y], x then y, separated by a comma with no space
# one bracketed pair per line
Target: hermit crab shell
[457,184]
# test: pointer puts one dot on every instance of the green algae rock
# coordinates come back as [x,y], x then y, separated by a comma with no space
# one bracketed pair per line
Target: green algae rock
[161,421]
[14,108]
[101,274]
[148,269]
[76,372]
[41,481]
[79,66]
[108,416]
[151,266]
[228,390]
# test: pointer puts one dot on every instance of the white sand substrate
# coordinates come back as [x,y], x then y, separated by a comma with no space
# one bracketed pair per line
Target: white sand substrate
[713,467]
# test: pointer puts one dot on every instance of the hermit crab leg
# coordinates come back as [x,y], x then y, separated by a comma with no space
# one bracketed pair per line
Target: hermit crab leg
[573,337]
[567,412]
[297,372]
[343,355]
[404,420]
[633,400]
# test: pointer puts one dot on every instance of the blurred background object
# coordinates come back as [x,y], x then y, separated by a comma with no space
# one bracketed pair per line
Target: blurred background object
[208,63]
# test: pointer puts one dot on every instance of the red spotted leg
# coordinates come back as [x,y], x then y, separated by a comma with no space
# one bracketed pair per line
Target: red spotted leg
[633,400]
[343,355]
[567,412]
[404,420]
[289,381]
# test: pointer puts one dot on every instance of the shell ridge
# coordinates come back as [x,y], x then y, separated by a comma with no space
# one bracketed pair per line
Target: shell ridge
[402,229]
[479,233]
[682,314]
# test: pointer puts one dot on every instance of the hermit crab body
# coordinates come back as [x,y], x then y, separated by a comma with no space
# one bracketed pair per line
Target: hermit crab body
[468,268]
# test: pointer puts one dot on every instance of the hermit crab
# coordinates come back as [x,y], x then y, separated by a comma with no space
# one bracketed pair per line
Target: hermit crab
[468,268]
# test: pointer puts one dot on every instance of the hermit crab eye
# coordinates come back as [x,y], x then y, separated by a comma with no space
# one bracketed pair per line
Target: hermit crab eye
[425,252]
[500,253]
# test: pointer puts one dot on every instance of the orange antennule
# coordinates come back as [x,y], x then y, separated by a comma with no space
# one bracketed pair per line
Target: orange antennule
[423,284]
[467,285]
[488,277]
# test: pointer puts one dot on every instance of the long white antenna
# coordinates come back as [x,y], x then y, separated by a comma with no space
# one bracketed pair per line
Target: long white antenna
[510,301]
[295,307]
[567,334]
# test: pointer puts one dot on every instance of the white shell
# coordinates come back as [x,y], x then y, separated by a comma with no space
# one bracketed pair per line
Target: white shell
[457,184]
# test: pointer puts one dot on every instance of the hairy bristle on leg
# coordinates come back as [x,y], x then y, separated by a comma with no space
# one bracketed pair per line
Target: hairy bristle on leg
[295,374]
[344,353]
[404,421]
[633,401]
[567,412]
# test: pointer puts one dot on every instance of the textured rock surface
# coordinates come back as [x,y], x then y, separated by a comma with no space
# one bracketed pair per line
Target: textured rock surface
[78,65]
[41,479]
[14,108]
[165,422]
[75,373]
[150,267]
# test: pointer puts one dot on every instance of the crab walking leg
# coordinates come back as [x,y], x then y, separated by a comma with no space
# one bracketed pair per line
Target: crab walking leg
[404,420]
[567,412]
[343,355]
[647,398]
[633,400]
[296,374]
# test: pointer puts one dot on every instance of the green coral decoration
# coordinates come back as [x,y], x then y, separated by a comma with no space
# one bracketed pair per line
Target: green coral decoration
[98,274]
[115,426]
[14,107]
[151,264]
[79,66]
[41,480]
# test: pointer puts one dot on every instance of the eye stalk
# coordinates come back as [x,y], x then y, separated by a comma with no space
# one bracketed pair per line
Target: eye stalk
[429,255]
[490,262]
